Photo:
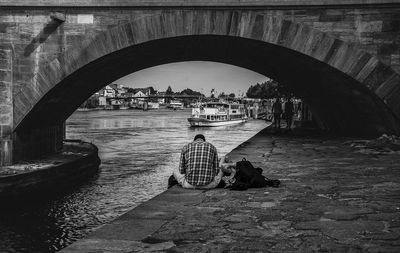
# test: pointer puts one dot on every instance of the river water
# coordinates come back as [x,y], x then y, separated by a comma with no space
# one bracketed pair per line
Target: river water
[138,149]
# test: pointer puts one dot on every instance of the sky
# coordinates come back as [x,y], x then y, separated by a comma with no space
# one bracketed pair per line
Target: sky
[196,75]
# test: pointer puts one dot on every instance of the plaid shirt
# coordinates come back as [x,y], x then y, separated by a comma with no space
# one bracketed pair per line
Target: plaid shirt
[199,163]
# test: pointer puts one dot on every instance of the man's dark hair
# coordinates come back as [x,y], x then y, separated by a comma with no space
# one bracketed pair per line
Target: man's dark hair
[200,136]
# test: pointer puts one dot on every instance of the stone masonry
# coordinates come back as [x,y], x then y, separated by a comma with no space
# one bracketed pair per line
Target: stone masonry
[53,44]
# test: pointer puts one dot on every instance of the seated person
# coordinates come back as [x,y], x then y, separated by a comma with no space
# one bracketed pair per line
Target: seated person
[198,166]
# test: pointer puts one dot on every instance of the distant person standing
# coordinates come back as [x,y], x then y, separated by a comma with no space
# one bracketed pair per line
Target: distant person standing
[277,111]
[289,111]
[298,110]
[198,167]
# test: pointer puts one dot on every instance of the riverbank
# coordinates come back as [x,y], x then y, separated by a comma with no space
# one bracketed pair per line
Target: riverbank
[54,172]
[334,197]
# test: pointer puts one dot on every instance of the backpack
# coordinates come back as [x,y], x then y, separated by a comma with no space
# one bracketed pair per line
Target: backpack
[249,177]
[246,173]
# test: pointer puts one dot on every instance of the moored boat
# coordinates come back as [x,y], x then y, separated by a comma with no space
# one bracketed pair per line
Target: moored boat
[175,104]
[217,114]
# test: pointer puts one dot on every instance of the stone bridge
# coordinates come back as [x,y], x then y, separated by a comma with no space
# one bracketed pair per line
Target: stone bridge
[341,56]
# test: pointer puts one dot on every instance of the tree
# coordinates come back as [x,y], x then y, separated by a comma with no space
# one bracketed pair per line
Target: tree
[152,90]
[190,92]
[169,91]
[232,95]
[222,95]
[268,89]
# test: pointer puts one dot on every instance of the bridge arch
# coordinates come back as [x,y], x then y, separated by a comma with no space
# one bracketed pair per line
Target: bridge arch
[348,90]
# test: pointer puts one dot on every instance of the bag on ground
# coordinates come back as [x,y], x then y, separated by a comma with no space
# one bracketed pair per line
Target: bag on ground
[249,177]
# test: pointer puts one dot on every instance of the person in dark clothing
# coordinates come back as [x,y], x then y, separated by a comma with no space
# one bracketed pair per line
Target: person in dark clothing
[289,110]
[277,111]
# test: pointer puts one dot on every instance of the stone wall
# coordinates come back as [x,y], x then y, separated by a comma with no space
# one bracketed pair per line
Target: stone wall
[37,37]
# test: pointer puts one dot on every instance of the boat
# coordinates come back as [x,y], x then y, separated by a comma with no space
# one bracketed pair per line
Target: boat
[175,104]
[153,105]
[145,105]
[217,114]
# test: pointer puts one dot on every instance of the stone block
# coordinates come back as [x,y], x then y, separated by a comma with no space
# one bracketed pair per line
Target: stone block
[5,95]
[5,75]
[21,107]
[5,130]
[313,42]
[358,64]
[5,119]
[5,64]
[221,23]
[116,38]
[274,28]
[388,85]
[392,100]
[244,24]
[291,34]
[233,21]
[42,82]
[333,50]
[5,152]
[367,69]
[302,39]
[380,73]
[323,47]
[25,69]
[128,33]
[258,27]
[5,54]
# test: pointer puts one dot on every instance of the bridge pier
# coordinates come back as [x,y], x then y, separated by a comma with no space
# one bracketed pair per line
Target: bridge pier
[6,106]
[33,143]
[28,143]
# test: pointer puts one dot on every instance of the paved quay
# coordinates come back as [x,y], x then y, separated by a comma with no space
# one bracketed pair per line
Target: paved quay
[336,196]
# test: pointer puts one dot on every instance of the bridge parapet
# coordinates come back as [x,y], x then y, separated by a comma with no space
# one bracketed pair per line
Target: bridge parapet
[190,3]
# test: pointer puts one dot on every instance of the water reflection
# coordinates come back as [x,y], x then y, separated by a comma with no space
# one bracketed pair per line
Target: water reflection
[138,150]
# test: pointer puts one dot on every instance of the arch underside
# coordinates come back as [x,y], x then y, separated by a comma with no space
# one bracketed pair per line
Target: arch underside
[339,102]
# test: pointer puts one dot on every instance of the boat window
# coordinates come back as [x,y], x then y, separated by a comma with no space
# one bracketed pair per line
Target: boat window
[208,116]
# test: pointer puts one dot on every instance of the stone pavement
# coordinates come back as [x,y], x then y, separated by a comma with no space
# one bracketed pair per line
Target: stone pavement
[334,198]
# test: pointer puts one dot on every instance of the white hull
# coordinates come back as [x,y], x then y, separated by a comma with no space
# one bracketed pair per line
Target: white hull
[208,123]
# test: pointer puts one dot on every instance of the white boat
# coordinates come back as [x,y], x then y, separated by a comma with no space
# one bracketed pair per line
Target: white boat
[217,114]
[174,104]
[154,105]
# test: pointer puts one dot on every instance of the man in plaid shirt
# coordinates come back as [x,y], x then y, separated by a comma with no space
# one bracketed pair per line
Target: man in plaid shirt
[198,167]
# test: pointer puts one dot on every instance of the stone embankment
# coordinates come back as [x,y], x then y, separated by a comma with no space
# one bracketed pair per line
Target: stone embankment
[334,197]
[72,165]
